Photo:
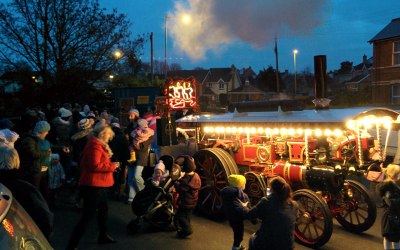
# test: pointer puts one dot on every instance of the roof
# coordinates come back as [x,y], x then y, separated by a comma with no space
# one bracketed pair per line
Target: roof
[368,64]
[208,91]
[303,118]
[391,30]
[360,78]
[220,73]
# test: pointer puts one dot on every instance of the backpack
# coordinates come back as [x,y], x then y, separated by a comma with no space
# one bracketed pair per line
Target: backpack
[392,225]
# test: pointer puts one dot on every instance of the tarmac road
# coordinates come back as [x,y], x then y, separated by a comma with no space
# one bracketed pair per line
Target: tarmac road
[207,234]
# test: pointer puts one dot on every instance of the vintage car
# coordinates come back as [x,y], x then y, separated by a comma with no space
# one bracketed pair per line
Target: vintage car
[18,230]
[321,153]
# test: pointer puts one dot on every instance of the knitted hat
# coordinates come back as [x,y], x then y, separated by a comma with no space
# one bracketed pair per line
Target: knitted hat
[9,136]
[91,114]
[55,156]
[393,172]
[143,124]
[64,112]
[41,127]
[236,180]
[86,109]
[115,125]
[134,111]
[160,165]
[85,123]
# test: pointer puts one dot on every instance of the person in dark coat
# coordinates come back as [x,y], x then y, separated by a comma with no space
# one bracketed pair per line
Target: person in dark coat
[233,197]
[188,189]
[385,189]
[120,148]
[278,214]
[27,194]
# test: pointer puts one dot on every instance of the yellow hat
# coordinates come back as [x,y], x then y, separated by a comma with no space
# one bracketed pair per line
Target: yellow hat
[236,180]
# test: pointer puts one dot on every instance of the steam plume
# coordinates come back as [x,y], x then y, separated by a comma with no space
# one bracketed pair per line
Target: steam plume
[217,23]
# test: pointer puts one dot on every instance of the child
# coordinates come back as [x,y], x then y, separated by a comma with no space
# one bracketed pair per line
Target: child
[188,189]
[233,197]
[389,190]
[142,133]
[160,174]
[56,176]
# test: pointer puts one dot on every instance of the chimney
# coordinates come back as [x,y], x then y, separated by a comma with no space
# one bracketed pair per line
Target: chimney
[320,83]
[365,59]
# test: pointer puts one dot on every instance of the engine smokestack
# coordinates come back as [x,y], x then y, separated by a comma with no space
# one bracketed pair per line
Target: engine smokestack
[320,83]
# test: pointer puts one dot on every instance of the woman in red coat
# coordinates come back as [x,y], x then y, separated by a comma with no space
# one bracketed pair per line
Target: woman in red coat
[95,179]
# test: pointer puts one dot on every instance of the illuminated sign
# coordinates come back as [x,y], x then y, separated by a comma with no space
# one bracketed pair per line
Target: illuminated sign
[182,94]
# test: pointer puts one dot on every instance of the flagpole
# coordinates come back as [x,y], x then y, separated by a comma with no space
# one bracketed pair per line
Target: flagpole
[277,70]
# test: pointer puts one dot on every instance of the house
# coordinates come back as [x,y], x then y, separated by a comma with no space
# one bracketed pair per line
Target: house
[385,75]
[245,93]
[360,75]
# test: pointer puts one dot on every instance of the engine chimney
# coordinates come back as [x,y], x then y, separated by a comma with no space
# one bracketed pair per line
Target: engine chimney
[320,83]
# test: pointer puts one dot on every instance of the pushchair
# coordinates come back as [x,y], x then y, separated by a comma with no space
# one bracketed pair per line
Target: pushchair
[155,204]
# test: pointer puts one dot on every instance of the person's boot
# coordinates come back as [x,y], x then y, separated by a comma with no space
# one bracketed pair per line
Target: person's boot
[105,239]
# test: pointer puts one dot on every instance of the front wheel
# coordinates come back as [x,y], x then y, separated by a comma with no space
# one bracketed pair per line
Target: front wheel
[355,209]
[314,222]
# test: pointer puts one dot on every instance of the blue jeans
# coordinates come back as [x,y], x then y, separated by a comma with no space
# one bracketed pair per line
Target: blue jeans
[135,181]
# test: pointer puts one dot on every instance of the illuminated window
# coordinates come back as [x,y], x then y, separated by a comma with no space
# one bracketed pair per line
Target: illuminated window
[396,53]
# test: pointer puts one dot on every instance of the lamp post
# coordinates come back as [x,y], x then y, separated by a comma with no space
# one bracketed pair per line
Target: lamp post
[185,20]
[295,51]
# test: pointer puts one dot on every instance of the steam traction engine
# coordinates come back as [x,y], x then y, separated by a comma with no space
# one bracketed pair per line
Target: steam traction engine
[315,155]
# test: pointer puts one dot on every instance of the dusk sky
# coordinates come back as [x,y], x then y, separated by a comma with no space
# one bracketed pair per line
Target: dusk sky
[226,32]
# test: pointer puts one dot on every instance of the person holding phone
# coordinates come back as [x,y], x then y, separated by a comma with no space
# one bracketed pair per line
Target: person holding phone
[95,180]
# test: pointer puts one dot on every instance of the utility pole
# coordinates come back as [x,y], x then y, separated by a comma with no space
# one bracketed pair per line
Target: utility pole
[151,59]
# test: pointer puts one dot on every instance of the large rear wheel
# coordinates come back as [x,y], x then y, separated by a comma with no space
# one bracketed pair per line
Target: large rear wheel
[354,208]
[314,222]
[213,168]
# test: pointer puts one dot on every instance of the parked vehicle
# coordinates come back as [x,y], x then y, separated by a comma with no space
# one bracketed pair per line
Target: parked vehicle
[18,230]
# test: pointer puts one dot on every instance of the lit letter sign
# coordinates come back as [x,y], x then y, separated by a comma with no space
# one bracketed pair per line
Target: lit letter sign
[182,94]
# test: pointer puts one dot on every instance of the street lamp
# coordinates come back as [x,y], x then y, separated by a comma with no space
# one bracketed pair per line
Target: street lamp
[184,19]
[295,51]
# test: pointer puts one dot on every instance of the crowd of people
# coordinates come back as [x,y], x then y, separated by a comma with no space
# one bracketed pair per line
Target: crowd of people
[89,150]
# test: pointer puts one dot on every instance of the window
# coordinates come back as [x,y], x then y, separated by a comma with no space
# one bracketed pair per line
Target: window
[396,94]
[210,85]
[221,85]
[396,53]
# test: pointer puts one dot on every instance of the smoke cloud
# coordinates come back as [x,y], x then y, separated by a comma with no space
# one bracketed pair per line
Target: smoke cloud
[215,24]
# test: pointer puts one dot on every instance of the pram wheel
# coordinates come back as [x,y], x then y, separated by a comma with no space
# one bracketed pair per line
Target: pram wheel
[133,226]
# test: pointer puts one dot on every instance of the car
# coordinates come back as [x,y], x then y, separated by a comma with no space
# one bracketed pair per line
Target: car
[18,230]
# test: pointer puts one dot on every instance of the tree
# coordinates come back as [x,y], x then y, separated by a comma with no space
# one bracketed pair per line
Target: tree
[61,39]
[266,79]
[345,67]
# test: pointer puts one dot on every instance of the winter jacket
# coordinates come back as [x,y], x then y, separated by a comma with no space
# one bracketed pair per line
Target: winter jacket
[278,221]
[142,152]
[232,207]
[119,146]
[386,231]
[188,190]
[30,155]
[96,166]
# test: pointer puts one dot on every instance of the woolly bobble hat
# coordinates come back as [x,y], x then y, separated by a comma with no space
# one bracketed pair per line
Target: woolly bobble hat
[64,112]
[160,165]
[85,123]
[393,172]
[41,127]
[55,156]
[135,111]
[143,124]
[236,180]
[115,125]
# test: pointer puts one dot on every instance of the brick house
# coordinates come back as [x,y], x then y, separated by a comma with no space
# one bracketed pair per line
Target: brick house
[360,75]
[385,75]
